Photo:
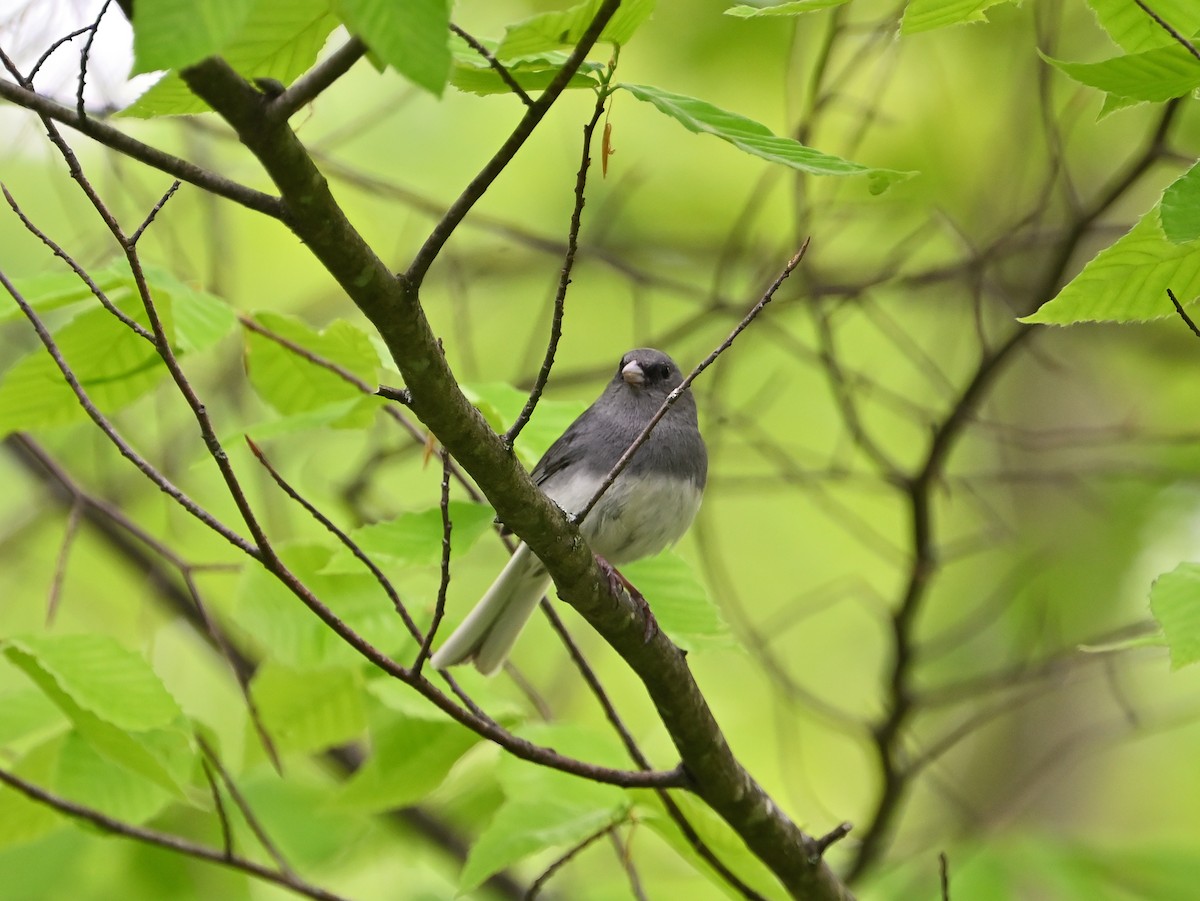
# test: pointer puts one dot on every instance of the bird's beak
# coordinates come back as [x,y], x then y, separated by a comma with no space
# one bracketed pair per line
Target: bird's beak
[632,373]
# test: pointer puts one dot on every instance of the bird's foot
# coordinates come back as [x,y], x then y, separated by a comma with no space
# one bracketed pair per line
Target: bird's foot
[616,583]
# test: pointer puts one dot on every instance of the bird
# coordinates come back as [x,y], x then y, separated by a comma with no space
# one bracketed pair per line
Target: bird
[646,509]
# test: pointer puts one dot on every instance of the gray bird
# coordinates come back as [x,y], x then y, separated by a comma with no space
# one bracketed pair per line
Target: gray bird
[648,507]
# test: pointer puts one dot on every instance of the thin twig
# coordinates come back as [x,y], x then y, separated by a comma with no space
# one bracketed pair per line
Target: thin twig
[944,875]
[60,564]
[21,94]
[566,858]
[444,583]
[84,56]
[124,318]
[309,86]
[211,757]
[674,396]
[49,51]
[1183,313]
[564,278]
[499,162]
[122,446]
[349,543]
[133,239]
[219,806]
[163,839]
[500,68]
[1166,26]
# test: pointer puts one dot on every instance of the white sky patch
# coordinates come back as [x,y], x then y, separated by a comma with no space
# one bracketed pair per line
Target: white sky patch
[29,27]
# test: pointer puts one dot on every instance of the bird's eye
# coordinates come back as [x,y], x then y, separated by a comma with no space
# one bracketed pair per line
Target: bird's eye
[664,370]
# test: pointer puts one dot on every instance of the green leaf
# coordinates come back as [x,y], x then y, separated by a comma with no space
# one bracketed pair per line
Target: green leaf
[280,39]
[113,365]
[171,34]
[1154,75]
[756,139]
[1128,281]
[546,808]
[1175,603]
[414,539]
[288,632]
[114,699]
[198,319]
[58,289]
[412,37]
[1134,31]
[290,382]
[794,8]
[87,778]
[680,602]
[101,676]
[549,31]
[474,75]
[717,835]
[1179,213]
[501,404]
[411,756]
[22,819]
[27,715]
[309,710]
[346,414]
[926,15]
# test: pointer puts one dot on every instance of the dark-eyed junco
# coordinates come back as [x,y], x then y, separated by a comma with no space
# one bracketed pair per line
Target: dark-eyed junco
[648,507]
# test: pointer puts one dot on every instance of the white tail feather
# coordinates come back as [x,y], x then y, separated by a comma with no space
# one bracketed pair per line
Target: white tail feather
[491,629]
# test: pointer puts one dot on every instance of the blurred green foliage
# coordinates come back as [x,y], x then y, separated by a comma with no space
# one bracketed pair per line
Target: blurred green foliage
[1040,770]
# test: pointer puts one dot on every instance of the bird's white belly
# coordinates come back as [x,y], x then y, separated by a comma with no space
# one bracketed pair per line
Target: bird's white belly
[635,518]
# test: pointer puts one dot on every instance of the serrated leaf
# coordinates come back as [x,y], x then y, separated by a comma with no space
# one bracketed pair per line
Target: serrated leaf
[59,289]
[171,34]
[290,382]
[1179,212]
[926,15]
[411,757]
[552,30]
[473,74]
[756,139]
[680,602]
[1128,281]
[412,37]
[101,676]
[1154,75]
[1175,603]
[279,40]
[1134,31]
[114,700]
[309,710]
[546,808]
[414,539]
[288,632]
[113,365]
[794,8]
[87,778]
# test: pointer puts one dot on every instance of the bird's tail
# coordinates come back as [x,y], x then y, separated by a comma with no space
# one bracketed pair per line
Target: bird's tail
[491,629]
